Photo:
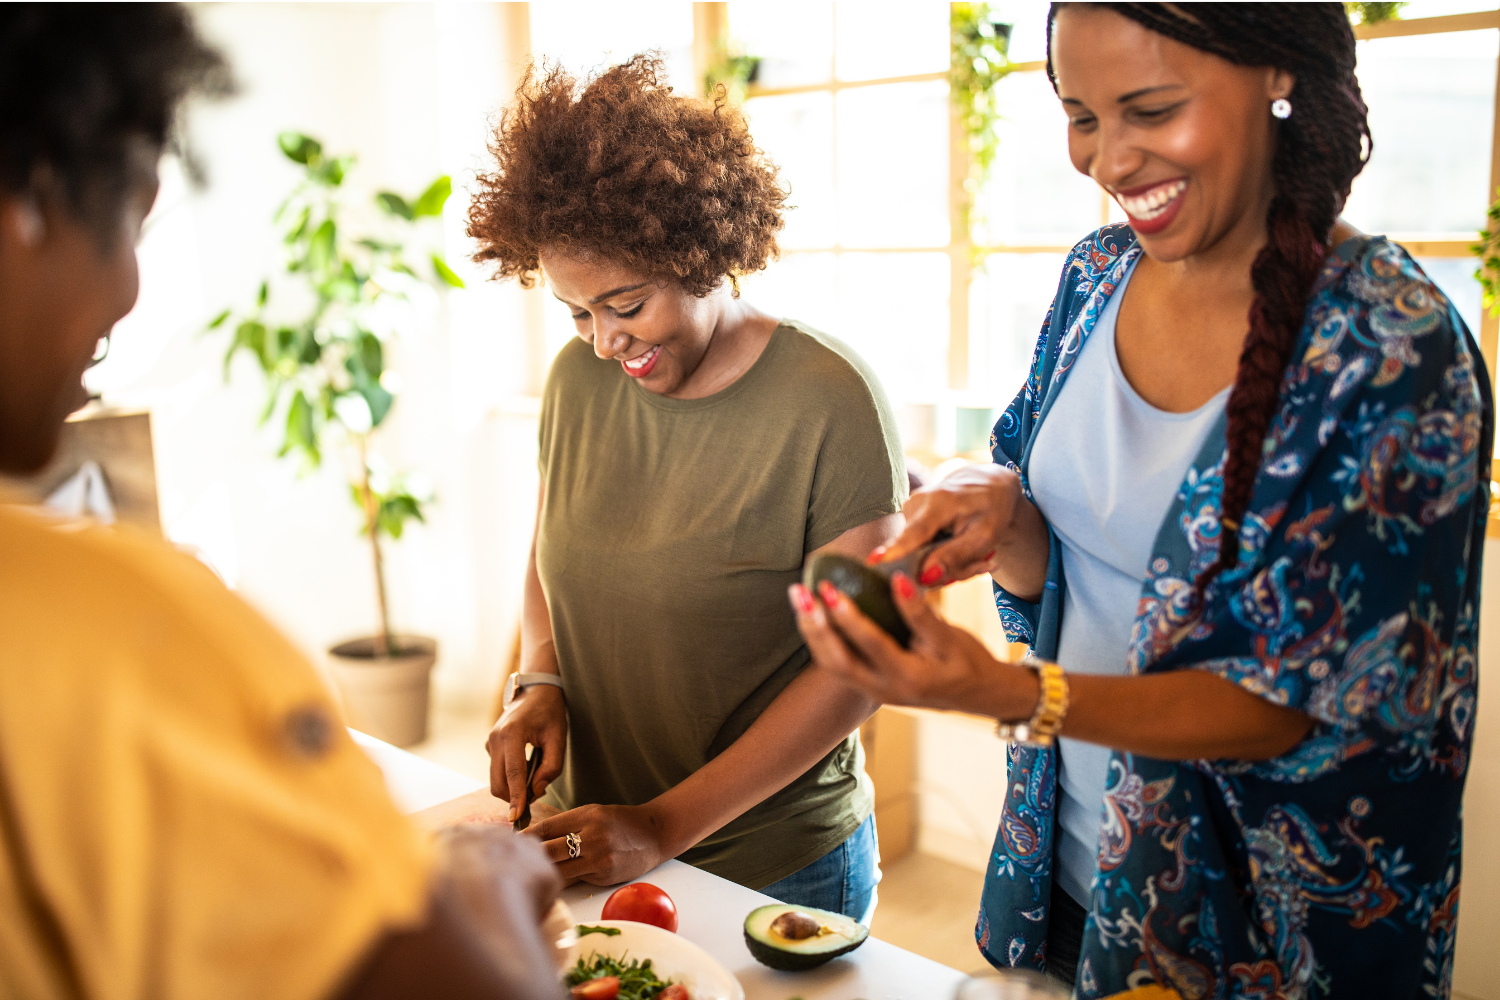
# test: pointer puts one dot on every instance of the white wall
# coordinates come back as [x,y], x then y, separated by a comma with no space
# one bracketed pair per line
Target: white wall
[409,88]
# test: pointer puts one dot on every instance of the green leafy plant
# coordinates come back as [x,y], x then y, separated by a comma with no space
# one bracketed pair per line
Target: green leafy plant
[732,69]
[1488,252]
[319,330]
[1373,13]
[979,59]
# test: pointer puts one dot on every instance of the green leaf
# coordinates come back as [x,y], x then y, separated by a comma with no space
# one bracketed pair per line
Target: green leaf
[332,171]
[367,359]
[585,929]
[300,148]
[394,204]
[395,510]
[321,247]
[263,294]
[445,273]
[301,432]
[430,202]
[218,320]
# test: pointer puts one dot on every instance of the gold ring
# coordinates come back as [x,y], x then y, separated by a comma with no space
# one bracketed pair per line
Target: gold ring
[575,846]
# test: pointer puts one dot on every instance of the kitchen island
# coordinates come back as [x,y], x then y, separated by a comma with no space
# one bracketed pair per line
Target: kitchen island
[711,910]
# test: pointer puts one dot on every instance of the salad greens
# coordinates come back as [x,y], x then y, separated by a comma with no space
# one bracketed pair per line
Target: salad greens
[606,931]
[637,981]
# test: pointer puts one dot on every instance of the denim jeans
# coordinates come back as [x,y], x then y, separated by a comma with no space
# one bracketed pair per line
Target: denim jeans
[841,881]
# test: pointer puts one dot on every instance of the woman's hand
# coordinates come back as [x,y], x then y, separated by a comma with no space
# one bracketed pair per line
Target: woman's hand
[945,668]
[995,530]
[539,716]
[618,843]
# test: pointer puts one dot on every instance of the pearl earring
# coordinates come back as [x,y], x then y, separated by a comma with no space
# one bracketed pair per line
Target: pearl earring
[1281,108]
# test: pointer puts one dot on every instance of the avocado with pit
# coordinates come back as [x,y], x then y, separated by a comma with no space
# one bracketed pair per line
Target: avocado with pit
[869,590]
[796,938]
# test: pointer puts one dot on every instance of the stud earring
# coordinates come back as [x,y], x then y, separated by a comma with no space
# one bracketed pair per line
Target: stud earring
[1281,108]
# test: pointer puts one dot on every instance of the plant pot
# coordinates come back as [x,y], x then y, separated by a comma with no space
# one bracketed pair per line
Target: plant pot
[385,696]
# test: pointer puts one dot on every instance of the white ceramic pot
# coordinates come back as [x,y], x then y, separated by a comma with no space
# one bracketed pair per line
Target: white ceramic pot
[385,697]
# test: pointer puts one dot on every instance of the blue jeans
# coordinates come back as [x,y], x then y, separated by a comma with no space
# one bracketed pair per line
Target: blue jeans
[842,881]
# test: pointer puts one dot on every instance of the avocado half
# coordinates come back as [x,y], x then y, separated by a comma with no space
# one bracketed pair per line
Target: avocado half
[869,590]
[836,935]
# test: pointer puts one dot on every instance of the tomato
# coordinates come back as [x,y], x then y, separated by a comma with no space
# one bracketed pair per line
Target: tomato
[676,991]
[603,988]
[644,903]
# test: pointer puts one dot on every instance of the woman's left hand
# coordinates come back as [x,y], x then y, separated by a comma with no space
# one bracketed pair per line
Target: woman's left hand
[618,843]
[945,668]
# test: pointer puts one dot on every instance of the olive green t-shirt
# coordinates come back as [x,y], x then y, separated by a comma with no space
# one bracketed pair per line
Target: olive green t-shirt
[670,531]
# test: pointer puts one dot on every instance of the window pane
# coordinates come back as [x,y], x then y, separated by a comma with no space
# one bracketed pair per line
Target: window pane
[1455,276]
[796,131]
[794,42]
[589,35]
[1431,113]
[1008,300]
[1028,33]
[893,165]
[891,38]
[800,286]
[893,310]
[1034,195]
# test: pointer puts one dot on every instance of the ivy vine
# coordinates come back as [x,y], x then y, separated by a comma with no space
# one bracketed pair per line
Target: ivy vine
[979,59]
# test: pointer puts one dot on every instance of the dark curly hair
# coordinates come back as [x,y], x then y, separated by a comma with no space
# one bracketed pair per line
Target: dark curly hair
[623,169]
[1320,149]
[80,83]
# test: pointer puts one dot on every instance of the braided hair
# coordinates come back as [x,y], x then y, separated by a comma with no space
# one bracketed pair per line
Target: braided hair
[1320,149]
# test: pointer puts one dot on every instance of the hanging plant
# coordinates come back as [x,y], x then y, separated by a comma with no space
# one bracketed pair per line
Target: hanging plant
[1488,252]
[733,70]
[1373,13]
[979,60]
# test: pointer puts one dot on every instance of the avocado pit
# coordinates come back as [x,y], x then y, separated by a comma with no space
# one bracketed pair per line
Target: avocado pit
[794,925]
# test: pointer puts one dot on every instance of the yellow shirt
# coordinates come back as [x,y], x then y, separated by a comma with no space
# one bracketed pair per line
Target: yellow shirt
[181,812]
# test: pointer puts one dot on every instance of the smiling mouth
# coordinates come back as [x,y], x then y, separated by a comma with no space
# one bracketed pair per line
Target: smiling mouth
[641,366]
[1146,204]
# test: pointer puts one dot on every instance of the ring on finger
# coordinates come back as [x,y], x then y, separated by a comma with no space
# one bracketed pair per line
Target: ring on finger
[575,846]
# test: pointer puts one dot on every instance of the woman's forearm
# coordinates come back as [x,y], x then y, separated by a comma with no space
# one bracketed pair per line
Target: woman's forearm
[1181,715]
[538,654]
[1021,559]
[807,720]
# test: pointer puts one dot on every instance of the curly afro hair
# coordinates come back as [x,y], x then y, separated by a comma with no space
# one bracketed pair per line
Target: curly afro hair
[623,170]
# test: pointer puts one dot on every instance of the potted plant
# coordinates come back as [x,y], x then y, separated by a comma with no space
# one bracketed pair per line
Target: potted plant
[318,330]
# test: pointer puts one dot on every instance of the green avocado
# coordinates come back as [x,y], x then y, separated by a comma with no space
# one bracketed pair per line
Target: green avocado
[870,591]
[796,938]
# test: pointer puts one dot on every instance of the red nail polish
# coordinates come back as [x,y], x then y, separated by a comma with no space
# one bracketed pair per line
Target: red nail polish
[802,599]
[903,586]
[932,574]
[874,557]
[829,593]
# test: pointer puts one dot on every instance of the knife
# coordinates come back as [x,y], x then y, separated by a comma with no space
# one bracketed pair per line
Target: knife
[532,766]
[911,563]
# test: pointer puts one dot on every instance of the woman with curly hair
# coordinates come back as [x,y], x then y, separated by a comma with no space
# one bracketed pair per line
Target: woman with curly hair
[695,451]
[1241,503]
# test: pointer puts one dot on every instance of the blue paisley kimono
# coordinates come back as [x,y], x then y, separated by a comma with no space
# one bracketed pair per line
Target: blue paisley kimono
[1332,871]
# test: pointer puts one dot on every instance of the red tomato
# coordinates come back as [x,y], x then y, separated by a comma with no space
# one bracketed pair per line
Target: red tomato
[644,903]
[676,991]
[603,988]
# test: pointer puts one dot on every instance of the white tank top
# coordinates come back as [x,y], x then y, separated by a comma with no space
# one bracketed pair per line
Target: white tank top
[1104,469]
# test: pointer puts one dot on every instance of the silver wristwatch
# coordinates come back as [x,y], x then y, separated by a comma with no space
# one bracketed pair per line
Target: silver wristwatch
[519,681]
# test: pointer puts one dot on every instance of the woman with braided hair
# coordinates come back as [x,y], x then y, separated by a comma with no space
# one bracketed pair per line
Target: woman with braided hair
[1237,511]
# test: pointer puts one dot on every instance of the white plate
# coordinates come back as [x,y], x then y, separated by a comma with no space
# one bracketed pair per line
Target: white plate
[672,957]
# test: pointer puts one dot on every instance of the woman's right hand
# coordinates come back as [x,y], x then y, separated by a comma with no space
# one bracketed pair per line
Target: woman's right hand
[995,530]
[539,716]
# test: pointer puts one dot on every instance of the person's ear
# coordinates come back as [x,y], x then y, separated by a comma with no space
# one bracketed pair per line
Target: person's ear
[21,216]
[1280,84]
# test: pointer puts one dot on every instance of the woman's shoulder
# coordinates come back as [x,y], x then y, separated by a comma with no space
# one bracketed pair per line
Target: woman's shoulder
[826,364]
[1092,257]
[1375,316]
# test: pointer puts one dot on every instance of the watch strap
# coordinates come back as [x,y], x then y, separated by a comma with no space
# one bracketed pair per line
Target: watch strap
[520,681]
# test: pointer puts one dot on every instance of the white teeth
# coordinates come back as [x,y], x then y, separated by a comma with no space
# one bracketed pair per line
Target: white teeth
[1153,202]
[640,362]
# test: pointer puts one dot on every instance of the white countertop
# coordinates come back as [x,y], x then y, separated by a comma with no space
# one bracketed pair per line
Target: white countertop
[711,910]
